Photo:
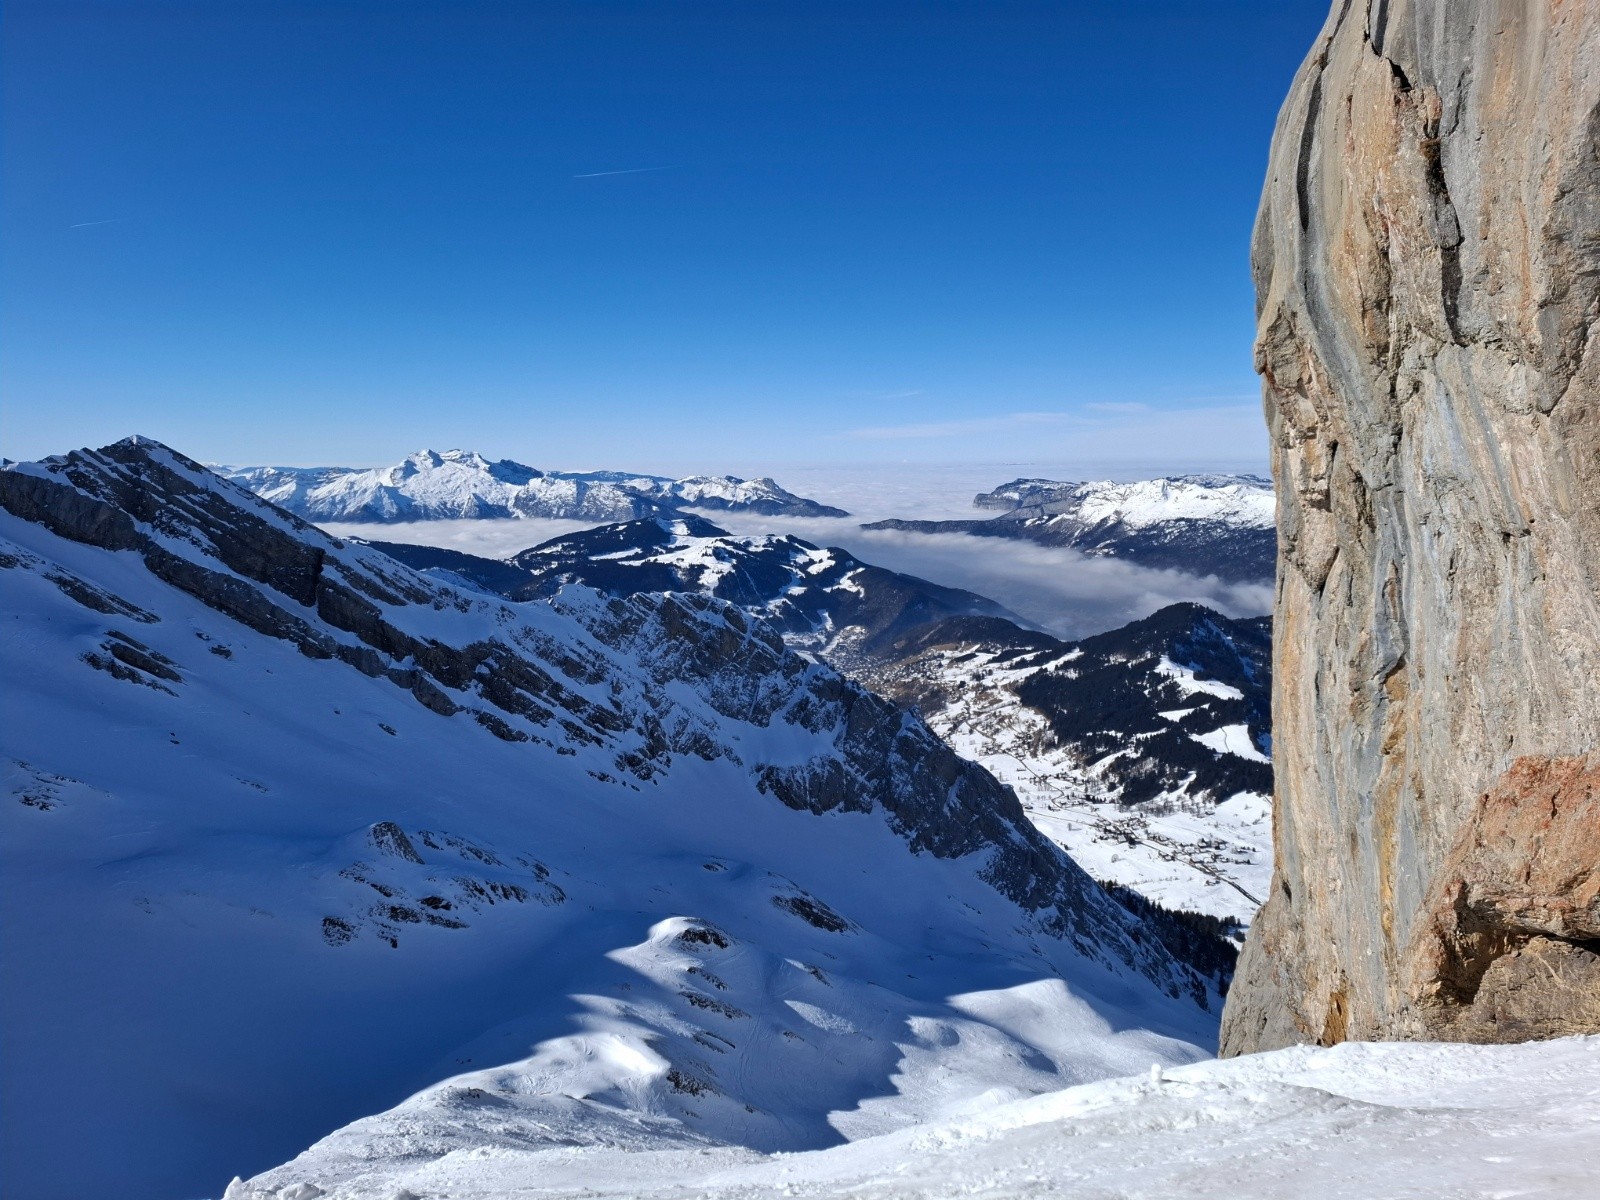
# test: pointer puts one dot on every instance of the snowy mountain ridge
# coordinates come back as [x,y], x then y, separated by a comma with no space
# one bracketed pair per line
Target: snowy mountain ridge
[1222,525]
[655,873]
[456,484]
[1245,501]
[1143,751]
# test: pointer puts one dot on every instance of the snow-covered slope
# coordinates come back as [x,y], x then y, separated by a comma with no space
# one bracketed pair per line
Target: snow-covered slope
[1245,501]
[292,832]
[1219,525]
[455,484]
[727,493]
[1360,1121]
[1142,751]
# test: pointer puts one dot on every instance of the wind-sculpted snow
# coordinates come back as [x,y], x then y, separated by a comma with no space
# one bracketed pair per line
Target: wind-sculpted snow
[1220,525]
[295,831]
[1359,1121]
[456,484]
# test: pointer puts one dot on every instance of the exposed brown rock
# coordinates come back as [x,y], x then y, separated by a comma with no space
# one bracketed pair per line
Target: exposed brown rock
[1508,946]
[1427,263]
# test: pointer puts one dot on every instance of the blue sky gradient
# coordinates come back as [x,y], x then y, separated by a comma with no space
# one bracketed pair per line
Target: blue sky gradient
[871,232]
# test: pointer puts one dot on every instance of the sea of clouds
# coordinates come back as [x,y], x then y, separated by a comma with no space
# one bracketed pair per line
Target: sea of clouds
[1059,590]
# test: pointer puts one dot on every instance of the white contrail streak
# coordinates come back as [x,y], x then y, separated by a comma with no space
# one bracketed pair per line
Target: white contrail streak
[107,221]
[630,171]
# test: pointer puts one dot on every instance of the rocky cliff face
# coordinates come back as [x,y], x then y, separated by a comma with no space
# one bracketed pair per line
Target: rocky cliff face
[1427,263]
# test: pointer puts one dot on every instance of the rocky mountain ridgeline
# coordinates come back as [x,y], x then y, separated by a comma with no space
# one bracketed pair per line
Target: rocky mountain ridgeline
[1142,751]
[283,578]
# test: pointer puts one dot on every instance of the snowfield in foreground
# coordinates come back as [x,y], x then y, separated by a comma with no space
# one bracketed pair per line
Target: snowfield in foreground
[1361,1121]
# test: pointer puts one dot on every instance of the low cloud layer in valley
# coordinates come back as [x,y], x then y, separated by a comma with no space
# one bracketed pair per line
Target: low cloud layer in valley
[1063,591]
[489,538]
[1060,590]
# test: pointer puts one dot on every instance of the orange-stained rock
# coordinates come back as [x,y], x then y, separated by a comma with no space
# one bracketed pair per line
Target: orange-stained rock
[1508,947]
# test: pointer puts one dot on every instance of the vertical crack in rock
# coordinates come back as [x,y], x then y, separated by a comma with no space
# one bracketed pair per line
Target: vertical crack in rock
[1308,134]
[1380,24]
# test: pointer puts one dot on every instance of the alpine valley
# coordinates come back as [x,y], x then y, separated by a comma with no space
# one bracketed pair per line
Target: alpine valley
[1142,751]
[644,837]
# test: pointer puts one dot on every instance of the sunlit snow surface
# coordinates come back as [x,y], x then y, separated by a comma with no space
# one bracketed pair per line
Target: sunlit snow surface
[1244,501]
[1362,1121]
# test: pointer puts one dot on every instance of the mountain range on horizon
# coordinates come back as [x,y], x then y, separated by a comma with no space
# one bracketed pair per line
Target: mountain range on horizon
[458,484]
[1207,524]
[1202,524]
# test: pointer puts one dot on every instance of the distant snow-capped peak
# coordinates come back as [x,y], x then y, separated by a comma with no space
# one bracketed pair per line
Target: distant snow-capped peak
[436,485]
[468,462]
[1244,501]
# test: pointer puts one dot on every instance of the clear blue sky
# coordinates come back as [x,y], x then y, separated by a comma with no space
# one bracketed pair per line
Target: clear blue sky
[338,231]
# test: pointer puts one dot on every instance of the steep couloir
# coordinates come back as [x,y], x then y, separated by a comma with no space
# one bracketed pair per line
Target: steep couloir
[1427,264]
